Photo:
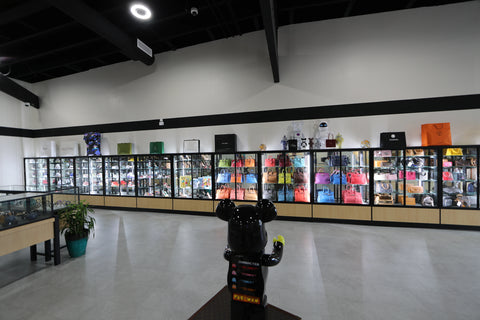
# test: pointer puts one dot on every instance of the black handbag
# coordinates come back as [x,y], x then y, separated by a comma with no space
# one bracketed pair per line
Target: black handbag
[336,161]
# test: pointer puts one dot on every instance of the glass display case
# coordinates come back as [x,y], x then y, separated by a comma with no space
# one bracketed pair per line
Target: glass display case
[459,178]
[342,177]
[286,176]
[23,208]
[354,165]
[236,176]
[193,176]
[120,176]
[387,180]
[36,173]
[61,172]
[154,176]
[420,177]
[89,175]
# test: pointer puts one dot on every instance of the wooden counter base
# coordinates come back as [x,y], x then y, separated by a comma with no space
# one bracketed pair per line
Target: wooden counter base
[342,212]
[408,214]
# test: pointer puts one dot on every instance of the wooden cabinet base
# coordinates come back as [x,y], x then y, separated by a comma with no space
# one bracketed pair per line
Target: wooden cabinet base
[342,212]
[461,217]
[412,215]
[24,236]
[294,210]
[127,202]
[93,200]
[154,203]
[193,205]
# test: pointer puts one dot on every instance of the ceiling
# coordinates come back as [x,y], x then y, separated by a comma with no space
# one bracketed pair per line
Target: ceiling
[45,39]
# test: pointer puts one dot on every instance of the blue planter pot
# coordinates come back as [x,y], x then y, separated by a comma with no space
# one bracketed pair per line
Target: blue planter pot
[77,248]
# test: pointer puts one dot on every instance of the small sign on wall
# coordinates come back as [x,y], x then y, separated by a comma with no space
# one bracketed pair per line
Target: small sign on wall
[47,149]
[68,149]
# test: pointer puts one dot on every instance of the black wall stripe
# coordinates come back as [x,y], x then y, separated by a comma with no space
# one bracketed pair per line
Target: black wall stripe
[464,102]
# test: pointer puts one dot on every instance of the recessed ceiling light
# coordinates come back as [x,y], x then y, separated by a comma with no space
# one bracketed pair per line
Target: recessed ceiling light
[140,11]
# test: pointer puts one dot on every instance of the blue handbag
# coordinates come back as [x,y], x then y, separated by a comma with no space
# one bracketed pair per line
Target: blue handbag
[325,196]
[223,177]
[299,162]
[251,178]
[338,178]
[281,194]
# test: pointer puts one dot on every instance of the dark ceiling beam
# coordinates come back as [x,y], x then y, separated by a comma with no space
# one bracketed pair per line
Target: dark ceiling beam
[351,5]
[270,25]
[234,17]
[217,18]
[103,27]
[22,11]
[15,90]
[313,5]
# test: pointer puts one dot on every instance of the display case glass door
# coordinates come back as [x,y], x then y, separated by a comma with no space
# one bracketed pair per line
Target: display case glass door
[145,175]
[325,191]
[246,177]
[55,170]
[272,164]
[357,189]
[127,175]
[96,176]
[225,176]
[459,178]
[202,176]
[163,176]
[82,174]
[387,179]
[112,176]
[36,173]
[295,175]
[419,175]
[182,165]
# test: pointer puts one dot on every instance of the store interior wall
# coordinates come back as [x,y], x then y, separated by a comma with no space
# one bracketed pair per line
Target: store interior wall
[409,54]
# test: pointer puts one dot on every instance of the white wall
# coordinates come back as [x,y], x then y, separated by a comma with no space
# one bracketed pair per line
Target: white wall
[426,52]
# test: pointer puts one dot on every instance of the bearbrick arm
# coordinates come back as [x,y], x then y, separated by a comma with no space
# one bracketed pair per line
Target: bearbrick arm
[276,256]
[227,254]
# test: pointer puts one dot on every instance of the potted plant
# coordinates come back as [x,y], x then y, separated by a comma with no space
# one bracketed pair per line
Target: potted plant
[76,224]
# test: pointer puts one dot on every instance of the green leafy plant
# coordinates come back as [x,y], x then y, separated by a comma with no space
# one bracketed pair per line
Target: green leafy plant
[76,221]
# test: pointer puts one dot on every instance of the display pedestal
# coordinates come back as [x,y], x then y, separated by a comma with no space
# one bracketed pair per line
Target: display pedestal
[219,308]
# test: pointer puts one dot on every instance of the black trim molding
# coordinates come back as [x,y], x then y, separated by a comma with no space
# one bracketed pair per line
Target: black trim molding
[451,103]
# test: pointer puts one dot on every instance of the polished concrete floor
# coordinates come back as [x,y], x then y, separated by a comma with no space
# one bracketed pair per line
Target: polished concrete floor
[144,265]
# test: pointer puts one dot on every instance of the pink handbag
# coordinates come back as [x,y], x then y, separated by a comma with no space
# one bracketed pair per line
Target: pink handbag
[322,177]
[357,177]
[350,195]
[411,175]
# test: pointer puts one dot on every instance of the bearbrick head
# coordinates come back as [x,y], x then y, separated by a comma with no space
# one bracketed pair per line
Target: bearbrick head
[246,224]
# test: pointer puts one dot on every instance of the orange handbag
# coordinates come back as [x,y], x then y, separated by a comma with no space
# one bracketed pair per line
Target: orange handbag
[250,162]
[436,134]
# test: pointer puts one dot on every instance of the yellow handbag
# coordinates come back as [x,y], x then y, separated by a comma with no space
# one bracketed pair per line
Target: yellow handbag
[282,176]
[454,152]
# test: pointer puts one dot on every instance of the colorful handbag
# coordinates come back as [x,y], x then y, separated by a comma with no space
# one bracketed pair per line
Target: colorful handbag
[238,178]
[383,187]
[411,175]
[250,162]
[380,176]
[223,176]
[223,193]
[325,196]
[285,177]
[251,178]
[270,176]
[284,162]
[224,163]
[454,152]
[414,189]
[409,201]
[302,194]
[350,195]
[270,162]
[322,177]
[357,177]
[338,178]
[446,163]
[336,161]
[377,153]
[436,134]
[298,162]
[288,192]
[472,187]
[447,176]
[330,142]
[237,193]
[237,163]
[414,152]
[390,176]
[299,176]
[251,194]
[386,153]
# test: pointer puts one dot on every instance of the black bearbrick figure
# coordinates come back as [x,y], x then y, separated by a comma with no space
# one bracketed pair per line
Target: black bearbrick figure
[248,263]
